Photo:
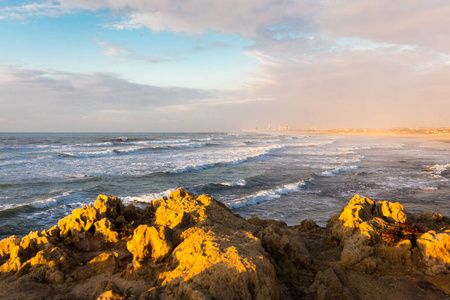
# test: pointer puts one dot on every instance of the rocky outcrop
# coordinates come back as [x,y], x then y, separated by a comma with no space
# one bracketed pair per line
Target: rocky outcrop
[378,236]
[194,247]
[435,249]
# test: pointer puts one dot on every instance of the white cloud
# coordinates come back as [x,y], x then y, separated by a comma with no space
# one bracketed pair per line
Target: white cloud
[417,22]
[370,88]
[198,16]
[305,22]
[88,91]
[422,23]
[34,98]
[48,8]
[110,49]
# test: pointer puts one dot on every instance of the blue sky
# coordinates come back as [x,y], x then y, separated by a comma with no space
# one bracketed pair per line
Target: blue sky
[136,65]
[83,42]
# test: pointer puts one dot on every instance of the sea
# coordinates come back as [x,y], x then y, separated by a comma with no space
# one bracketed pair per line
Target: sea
[282,176]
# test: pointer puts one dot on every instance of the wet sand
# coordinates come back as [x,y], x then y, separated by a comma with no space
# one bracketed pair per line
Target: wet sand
[444,138]
[439,141]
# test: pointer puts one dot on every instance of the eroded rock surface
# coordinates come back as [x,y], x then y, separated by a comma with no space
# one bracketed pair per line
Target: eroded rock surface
[379,237]
[193,247]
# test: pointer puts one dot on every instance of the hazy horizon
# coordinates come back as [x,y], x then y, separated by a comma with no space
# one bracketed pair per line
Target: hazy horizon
[274,130]
[201,66]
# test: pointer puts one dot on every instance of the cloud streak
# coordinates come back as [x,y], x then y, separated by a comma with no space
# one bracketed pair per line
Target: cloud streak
[48,97]
[110,49]
[92,89]
[31,10]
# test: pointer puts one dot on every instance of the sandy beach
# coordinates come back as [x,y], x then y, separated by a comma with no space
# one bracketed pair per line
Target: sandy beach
[439,141]
[444,138]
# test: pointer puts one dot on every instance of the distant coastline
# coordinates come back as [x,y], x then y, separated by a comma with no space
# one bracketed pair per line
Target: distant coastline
[437,134]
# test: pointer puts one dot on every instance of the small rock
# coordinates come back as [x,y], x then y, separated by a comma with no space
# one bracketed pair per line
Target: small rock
[109,295]
[105,229]
[308,225]
[108,207]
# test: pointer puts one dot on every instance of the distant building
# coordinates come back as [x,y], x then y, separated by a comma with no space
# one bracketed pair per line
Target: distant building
[251,129]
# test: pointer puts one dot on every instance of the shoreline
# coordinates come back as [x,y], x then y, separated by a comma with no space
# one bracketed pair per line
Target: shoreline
[444,137]
[439,141]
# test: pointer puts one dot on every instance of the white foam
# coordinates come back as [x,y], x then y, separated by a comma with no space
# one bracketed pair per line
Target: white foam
[148,197]
[439,169]
[314,144]
[112,152]
[192,167]
[353,149]
[241,182]
[49,201]
[36,204]
[400,182]
[165,142]
[236,134]
[4,207]
[189,145]
[121,138]
[44,203]
[355,159]
[109,152]
[255,153]
[338,170]
[104,144]
[266,195]
[171,146]
[209,139]
[77,176]
[128,150]
[270,141]
[429,188]
[327,142]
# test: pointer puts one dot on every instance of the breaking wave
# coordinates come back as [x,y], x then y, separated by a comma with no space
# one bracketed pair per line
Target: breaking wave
[337,171]
[266,195]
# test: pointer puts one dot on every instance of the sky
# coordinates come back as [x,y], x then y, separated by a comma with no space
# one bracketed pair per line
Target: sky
[205,65]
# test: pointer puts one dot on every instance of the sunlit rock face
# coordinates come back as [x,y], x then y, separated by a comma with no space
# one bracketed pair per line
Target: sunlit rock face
[435,248]
[378,236]
[194,247]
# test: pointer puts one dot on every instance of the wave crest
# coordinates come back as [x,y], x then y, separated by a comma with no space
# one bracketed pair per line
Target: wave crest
[266,195]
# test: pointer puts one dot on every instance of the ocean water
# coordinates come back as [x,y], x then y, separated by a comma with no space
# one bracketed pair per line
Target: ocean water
[290,177]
